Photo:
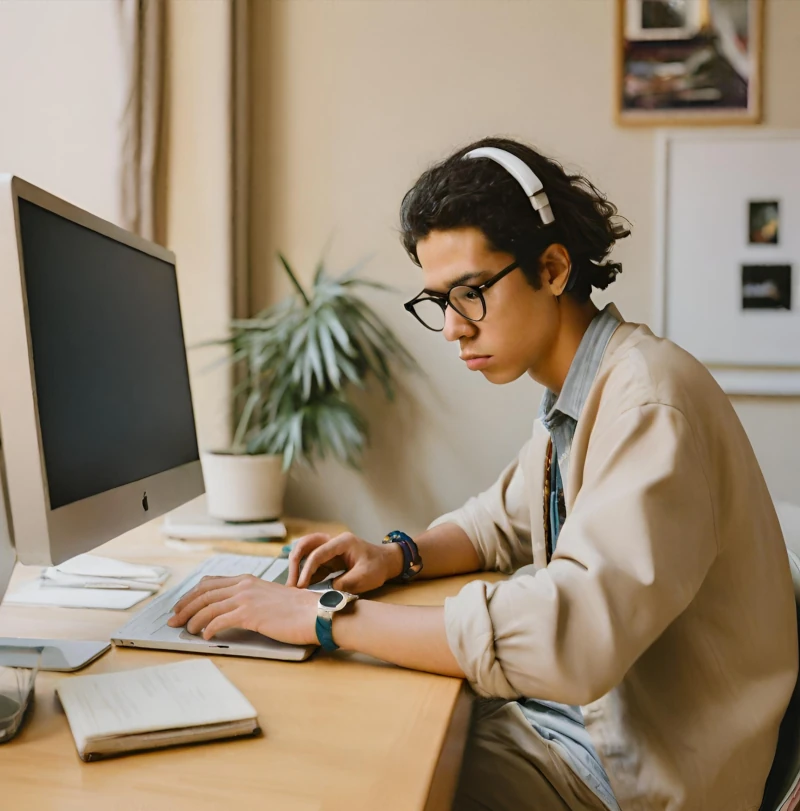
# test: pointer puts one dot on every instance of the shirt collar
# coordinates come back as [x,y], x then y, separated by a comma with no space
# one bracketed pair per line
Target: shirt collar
[582,371]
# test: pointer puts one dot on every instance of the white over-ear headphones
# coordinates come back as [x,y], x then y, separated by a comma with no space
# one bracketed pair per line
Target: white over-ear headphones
[523,174]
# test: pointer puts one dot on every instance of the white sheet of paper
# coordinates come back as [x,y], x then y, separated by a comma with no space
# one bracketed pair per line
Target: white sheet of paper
[173,696]
[193,521]
[34,593]
[51,577]
[97,566]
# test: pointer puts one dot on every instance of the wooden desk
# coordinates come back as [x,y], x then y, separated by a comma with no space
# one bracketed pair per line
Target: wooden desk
[341,731]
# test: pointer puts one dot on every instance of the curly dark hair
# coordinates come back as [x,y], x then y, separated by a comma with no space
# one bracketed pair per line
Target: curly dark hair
[459,193]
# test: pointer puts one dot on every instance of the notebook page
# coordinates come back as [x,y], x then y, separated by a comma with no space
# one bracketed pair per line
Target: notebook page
[148,699]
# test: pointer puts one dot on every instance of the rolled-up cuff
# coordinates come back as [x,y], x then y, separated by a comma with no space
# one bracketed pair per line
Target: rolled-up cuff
[470,634]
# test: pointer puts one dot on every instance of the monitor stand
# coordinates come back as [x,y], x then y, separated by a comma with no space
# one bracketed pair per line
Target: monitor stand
[61,655]
[58,654]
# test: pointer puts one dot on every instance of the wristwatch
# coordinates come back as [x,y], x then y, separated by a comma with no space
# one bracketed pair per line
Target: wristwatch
[412,561]
[329,603]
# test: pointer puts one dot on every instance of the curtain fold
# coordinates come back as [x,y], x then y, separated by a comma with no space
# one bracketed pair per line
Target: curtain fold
[185,164]
[240,178]
[143,32]
[240,158]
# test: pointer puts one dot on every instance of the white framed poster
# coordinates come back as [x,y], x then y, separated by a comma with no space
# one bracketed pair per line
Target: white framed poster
[729,254]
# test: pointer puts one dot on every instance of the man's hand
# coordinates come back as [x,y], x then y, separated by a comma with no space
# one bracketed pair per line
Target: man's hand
[218,603]
[368,566]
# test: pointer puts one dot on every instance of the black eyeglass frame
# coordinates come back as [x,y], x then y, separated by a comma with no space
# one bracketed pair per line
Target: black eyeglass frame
[443,299]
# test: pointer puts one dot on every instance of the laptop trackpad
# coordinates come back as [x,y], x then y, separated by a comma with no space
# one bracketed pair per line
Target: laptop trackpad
[233,636]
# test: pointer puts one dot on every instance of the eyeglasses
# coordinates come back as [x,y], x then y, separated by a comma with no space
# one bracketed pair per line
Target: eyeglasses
[429,307]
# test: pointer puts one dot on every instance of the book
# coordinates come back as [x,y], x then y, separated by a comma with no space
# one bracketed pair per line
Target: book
[193,521]
[128,711]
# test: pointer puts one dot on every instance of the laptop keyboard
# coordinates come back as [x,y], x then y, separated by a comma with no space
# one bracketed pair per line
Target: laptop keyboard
[154,616]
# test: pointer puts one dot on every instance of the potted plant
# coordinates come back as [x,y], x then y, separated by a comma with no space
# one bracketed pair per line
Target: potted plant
[297,364]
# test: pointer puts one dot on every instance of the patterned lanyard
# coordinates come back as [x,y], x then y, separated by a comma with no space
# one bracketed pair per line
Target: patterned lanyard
[548,535]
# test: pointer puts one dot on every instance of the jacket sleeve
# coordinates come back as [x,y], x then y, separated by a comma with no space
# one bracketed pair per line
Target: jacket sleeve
[631,556]
[498,521]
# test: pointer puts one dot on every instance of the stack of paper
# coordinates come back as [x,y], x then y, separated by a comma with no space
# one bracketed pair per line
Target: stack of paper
[93,571]
[193,521]
[91,581]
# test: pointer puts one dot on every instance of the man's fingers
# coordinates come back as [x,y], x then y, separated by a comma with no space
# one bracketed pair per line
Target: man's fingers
[305,545]
[201,601]
[208,583]
[203,617]
[231,619]
[318,557]
[350,581]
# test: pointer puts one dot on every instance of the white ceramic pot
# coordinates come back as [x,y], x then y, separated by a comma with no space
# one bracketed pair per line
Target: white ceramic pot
[241,487]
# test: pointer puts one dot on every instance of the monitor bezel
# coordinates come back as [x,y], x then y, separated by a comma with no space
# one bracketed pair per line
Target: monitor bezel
[43,535]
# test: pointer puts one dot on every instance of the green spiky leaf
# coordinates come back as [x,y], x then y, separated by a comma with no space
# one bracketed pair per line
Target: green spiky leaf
[298,362]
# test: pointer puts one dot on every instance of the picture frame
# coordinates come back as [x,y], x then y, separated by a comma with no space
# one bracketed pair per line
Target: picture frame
[689,62]
[731,301]
[767,287]
[764,222]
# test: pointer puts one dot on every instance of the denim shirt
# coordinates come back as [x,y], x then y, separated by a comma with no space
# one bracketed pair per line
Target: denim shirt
[560,413]
[561,723]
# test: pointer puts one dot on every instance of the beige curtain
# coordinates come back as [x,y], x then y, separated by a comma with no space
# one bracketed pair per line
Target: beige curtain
[185,168]
[240,158]
[142,24]
[240,175]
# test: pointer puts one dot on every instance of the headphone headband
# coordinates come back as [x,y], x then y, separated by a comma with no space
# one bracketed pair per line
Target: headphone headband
[523,174]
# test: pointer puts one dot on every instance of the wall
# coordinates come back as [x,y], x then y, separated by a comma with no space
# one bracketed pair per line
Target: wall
[352,101]
[198,195]
[60,99]
[772,424]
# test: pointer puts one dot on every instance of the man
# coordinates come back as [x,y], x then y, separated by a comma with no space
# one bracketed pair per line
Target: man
[644,653]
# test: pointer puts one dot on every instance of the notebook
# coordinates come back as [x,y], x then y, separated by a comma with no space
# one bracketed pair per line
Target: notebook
[152,707]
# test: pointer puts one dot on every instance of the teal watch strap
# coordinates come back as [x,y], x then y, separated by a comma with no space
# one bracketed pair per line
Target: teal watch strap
[325,634]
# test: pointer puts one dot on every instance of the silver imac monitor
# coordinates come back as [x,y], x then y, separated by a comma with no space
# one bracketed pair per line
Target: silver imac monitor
[97,432]
[8,556]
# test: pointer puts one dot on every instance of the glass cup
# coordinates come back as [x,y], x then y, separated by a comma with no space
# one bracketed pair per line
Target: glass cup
[18,669]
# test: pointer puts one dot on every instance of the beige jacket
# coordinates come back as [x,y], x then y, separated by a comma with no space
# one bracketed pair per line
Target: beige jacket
[667,610]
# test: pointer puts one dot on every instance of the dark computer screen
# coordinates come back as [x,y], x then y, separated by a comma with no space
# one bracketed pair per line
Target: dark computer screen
[109,360]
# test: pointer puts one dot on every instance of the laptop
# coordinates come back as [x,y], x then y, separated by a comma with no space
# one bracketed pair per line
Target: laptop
[148,627]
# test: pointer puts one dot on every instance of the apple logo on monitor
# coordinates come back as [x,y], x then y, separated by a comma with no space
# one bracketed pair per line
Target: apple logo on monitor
[145,505]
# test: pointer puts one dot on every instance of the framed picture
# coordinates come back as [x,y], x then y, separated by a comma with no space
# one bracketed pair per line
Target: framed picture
[729,253]
[684,62]
[767,287]
[764,222]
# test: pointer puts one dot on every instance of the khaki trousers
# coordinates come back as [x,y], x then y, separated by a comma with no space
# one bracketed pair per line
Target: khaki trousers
[508,766]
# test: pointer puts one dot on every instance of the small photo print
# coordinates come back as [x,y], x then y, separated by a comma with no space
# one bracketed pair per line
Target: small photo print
[662,14]
[764,222]
[766,287]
